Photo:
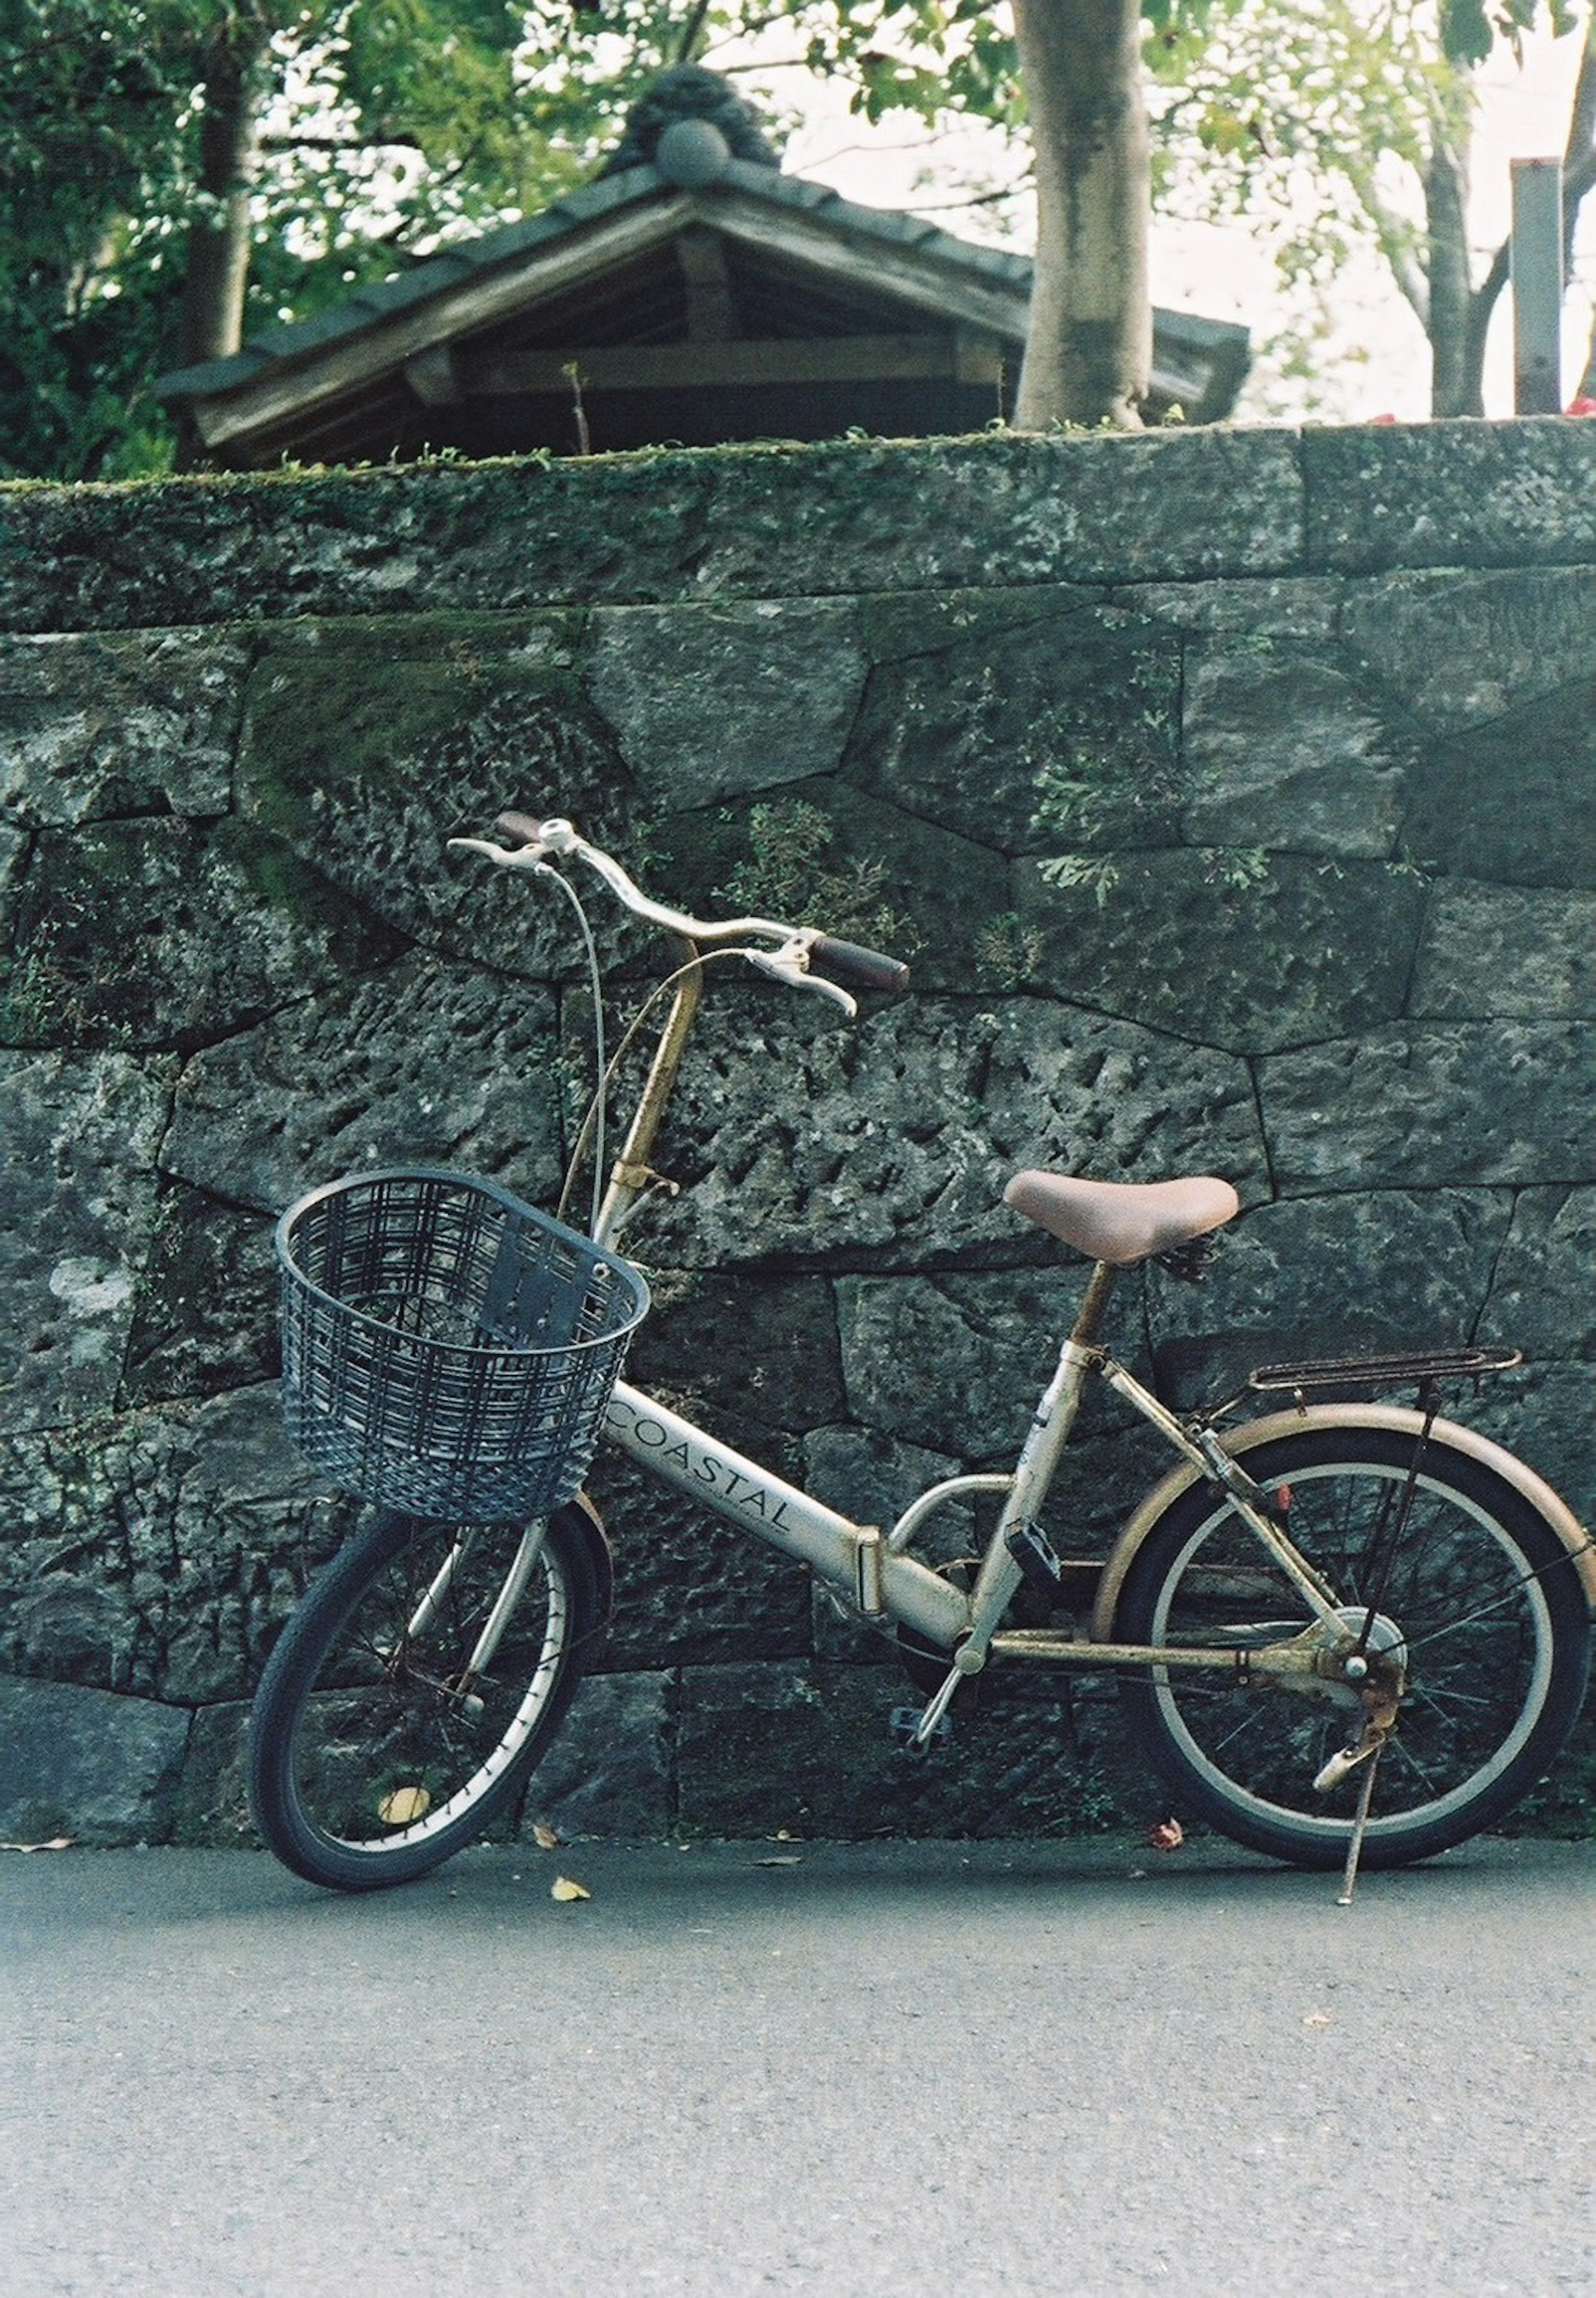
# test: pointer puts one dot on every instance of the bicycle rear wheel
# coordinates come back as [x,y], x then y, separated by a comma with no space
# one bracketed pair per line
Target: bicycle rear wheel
[1477,1588]
[413,1689]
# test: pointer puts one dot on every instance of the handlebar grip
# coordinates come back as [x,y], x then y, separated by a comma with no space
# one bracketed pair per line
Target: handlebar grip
[858,969]
[522,829]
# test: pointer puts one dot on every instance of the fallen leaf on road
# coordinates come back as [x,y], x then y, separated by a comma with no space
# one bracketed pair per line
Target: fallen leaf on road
[544,1836]
[1169,1835]
[564,1888]
[1318,2019]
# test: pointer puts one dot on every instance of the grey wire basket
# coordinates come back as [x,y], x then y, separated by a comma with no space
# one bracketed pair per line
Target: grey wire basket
[447,1349]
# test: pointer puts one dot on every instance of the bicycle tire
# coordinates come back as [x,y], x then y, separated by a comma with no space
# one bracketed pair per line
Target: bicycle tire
[370,1763]
[1482,1590]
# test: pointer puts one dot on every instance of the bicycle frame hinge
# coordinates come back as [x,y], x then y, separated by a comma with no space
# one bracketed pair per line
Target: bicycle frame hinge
[1223,1470]
[870,1570]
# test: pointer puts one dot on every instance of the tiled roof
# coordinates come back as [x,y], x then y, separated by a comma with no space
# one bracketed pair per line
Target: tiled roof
[462,259]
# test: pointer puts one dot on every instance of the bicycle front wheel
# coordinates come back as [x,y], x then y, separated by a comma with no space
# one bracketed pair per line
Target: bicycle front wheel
[409,1695]
[1471,1584]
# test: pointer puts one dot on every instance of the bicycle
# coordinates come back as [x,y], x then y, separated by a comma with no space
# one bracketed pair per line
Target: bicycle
[1344,1633]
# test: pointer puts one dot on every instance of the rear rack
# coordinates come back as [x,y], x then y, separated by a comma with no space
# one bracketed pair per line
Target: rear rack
[1385,1372]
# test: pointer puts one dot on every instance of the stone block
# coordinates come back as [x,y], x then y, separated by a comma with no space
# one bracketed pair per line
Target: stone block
[1451,494]
[86,1764]
[763,1750]
[1061,728]
[1283,751]
[205,1304]
[422,1064]
[1544,1416]
[957,1363]
[871,1477]
[1234,948]
[1435,1106]
[368,744]
[1463,647]
[92,724]
[713,702]
[759,1348]
[212,1805]
[241,926]
[1245,606]
[157,1553]
[854,516]
[609,1769]
[1542,1298]
[1514,801]
[890,1142]
[1364,1272]
[1513,953]
[689,1586]
[885,515]
[829,854]
[79,1211]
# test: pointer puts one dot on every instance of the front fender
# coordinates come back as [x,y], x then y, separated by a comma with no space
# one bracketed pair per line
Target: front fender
[1239,1442]
[582,1518]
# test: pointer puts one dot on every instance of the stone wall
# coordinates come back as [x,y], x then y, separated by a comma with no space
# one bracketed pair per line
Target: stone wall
[1231,793]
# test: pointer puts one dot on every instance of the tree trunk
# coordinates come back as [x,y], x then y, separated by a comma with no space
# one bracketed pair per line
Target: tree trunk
[218,237]
[1456,384]
[1089,353]
[1579,177]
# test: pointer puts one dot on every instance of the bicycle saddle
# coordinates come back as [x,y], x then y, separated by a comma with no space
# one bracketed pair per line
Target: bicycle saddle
[1122,1221]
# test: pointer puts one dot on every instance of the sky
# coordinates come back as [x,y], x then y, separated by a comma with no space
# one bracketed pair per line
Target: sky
[1378,359]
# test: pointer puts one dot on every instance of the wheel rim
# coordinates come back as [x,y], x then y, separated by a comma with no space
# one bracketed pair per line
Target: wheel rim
[1479,1637]
[388,1755]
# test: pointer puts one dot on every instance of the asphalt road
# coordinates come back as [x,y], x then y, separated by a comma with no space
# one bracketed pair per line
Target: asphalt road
[866,2069]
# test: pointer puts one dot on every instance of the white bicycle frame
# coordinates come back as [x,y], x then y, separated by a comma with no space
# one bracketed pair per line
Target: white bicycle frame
[871,1568]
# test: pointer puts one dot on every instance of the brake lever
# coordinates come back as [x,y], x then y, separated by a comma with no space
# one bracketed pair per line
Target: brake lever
[518,857]
[791,966]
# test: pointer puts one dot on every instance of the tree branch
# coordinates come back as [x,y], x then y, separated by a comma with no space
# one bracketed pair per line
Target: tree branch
[1394,237]
[687,45]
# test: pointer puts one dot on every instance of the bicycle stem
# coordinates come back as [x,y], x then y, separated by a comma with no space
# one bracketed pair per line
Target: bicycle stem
[631,1174]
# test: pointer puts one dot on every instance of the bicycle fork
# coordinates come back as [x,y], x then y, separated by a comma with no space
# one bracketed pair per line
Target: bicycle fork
[522,1566]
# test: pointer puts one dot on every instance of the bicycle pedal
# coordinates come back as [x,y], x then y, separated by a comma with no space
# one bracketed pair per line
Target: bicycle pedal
[903,1724]
[1033,1552]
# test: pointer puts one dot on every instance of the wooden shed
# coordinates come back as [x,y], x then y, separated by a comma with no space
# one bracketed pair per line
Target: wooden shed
[690,296]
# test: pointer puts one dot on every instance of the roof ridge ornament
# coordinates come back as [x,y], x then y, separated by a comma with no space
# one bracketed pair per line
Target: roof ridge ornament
[691,98]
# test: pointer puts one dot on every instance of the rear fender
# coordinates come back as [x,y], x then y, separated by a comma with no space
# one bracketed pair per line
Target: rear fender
[1239,1442]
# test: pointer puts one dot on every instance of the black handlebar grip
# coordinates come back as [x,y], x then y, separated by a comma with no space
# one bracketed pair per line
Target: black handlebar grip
[855,968]
[521,828]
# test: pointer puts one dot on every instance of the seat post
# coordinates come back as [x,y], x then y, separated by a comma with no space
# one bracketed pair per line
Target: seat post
[1088,1321]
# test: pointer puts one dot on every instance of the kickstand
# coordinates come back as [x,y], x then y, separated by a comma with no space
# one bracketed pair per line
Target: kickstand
[1354,1850]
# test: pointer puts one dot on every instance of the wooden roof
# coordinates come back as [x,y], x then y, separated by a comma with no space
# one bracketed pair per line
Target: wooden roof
[698,300]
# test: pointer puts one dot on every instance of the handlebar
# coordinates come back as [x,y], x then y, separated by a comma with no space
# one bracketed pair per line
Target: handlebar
[804,957]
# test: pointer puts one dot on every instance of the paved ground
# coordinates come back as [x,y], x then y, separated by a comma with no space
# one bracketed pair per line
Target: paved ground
[879,2070]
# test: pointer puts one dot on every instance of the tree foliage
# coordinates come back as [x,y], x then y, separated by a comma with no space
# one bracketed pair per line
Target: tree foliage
[1342,125]
[173,170]
[140,140]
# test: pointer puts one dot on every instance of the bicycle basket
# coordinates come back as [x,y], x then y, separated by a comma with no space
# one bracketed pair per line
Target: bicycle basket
[447,1349]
